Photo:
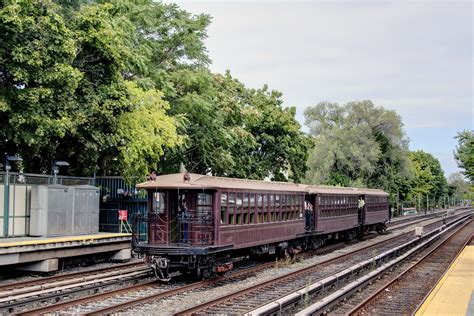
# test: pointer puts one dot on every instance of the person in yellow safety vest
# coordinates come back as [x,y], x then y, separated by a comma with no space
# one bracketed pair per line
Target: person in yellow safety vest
[361,203]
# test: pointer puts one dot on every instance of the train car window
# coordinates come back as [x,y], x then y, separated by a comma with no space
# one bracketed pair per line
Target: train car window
[231,208]
[232,199]
[204,199]
[282,208]
[238,219]
[238,203]
[224,208]
[245,208]
[159,202]
[252,200]
[246,200]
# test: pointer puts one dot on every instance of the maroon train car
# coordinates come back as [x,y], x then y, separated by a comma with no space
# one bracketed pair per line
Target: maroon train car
[200,224]
[339,213]
[376,209]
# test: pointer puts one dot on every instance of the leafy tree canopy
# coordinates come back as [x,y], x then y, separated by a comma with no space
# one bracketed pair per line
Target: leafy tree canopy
[357,144]
[464,153]
[63,94]
[233,131]
[429,178]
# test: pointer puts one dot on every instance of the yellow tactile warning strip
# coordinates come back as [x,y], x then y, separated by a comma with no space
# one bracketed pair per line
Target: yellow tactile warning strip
[42,241]
[453,293]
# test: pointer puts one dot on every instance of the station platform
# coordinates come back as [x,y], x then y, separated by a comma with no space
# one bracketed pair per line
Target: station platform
[42,254]
[454,293]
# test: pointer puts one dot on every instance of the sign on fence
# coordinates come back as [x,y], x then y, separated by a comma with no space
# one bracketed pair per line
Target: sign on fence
[123,215]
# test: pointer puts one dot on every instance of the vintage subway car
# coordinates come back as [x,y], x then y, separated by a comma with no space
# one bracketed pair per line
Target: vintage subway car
[200,224]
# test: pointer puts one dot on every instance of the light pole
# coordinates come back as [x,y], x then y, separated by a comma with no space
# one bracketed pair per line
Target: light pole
[6,191]
[55,169]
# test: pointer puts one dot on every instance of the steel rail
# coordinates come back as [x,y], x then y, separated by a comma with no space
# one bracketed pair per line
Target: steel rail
[369,300]
[64,276]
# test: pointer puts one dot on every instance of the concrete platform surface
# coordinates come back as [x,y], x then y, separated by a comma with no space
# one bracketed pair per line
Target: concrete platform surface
[42,253]
[454,293]
[27,241]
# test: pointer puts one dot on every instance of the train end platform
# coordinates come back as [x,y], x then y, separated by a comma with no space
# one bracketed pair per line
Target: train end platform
[42,254]
[454,293]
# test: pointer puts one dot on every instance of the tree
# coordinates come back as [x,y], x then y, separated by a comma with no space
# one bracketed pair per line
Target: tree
[37,80]
[357,144]
[458,187]
[145,132]
[428,177]
[62,90]
[233,131]
[464,153]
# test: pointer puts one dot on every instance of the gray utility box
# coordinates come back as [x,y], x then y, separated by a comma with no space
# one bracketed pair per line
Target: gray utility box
[58,210]
[51,211]
[86,209]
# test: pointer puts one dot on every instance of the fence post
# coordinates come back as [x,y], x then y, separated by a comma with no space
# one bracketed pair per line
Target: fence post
[6,205]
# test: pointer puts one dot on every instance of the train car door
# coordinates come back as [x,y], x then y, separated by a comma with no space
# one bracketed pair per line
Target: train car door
[174,202]
[310,213]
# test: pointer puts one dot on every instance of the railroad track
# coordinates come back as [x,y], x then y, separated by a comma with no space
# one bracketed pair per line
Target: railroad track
[65,276]
[121,299]
[23,293]
[343,298]
[404,293]
[405,222]
[108,302]
[330,272]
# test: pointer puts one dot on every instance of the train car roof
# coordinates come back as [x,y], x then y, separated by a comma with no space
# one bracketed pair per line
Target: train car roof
[325,189]
[199,181]
[376,192]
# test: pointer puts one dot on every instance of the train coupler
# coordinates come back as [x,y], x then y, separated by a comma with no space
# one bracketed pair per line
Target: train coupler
[160,267]
[220,268]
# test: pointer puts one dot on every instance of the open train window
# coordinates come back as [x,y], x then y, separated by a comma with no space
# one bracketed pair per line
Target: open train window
[223,208]
[159,202]
[238,219]
[246,218]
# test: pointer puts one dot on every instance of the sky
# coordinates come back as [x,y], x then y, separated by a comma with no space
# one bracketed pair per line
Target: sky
[414,57]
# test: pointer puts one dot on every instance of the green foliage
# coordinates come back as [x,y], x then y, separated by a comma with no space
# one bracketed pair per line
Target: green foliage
[357,144]
[63,95]
[36,79]
[428,177]
[145,132]
[233,131]
[459,188]
[464,153]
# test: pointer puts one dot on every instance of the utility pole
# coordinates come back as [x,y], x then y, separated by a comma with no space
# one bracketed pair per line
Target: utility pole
[426,204]
[6,191]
